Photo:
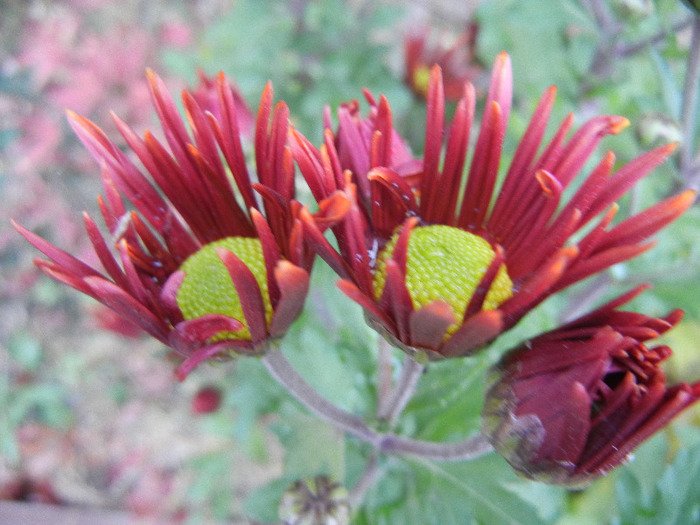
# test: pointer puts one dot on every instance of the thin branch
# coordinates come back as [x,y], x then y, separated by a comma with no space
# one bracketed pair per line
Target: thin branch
[404,390]
[384,373]
[283,371]
[367,479]
[468,449]
[285,374]
[625,50]
[689,105]
[609,29]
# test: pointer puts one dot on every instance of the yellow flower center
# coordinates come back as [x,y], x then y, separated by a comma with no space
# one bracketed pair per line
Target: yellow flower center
[421,79]
[446,264]
[207,287]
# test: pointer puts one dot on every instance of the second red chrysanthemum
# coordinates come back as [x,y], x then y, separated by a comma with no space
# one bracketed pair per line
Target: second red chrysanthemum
[440,261]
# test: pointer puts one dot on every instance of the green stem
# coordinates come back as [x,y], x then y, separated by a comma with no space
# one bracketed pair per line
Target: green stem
[285,374]
[283,371]
[384,373]
[402,393]
[466,450]
[689,107]
[367,479]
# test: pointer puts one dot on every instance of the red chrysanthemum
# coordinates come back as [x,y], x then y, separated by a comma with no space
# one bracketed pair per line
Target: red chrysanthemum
[440,261]
[571,404]
[458,61]
[203,264]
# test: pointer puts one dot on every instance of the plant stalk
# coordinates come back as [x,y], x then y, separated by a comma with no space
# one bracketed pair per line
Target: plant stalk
[283,371]
[689,107]
[402,393]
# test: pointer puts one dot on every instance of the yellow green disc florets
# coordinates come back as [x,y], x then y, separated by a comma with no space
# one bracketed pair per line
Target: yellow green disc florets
[446,264]
[207,287]
[421,79]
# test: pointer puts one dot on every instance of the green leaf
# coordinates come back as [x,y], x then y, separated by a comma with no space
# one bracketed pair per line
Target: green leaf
[648,498]
[261,504]
[255,394]
[483,491]
[312,447]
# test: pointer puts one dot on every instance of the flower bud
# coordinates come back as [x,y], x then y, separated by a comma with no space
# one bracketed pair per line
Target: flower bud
[572,404]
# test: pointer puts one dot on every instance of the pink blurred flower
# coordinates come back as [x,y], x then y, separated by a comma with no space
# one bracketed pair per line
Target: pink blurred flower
[176,34]
[40,136]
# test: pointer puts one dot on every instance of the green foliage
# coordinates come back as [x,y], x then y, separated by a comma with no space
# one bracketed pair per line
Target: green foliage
[320,53]
[559,39]
[315,53]
[324,53]
[483,491]
[653,493]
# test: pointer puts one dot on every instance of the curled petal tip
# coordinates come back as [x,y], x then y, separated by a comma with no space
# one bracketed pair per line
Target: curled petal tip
[618,124]
[685,200]
[77,121]
[671,147]
[152,77]
[502,60]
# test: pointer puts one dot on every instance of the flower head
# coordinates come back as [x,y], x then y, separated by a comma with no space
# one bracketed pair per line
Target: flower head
[458,61]
[440,261]
[202,263]
[571,404]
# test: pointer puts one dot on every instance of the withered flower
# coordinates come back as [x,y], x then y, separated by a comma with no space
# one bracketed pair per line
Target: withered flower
[315,501]
[200,261]
[441,262]
[571,404]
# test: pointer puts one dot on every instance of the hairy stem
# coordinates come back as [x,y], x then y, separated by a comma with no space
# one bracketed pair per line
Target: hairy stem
[402,393]
[367,479]
[470,448]
[285,374]
[384,373]
[283,371]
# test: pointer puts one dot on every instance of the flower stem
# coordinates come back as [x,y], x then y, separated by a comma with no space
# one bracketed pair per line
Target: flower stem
[468,449]
[367,479]
[285,374]
[402,393]
[384,373]
[689,106]
[283,371]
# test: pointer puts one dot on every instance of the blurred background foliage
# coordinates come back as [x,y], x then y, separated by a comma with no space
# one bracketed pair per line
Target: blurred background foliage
[93,418]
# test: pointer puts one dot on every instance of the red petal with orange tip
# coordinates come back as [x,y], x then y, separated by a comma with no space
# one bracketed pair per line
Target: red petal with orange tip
[480,329]
[428,325]
[293,284]
[248,292]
